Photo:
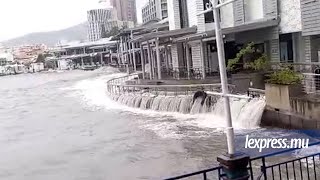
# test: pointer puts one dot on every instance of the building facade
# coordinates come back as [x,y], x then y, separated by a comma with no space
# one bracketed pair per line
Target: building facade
[282,29]
[125,10]
[98,23]
[154,10]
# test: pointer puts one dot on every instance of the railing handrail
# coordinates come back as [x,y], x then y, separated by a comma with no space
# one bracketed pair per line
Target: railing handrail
[310,74]
[122,77]
[293,160]
[196,173]
[167,86]
[112,82]
[295,63]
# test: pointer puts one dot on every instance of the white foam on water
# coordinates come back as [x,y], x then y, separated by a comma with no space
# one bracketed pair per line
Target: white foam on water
[95,97]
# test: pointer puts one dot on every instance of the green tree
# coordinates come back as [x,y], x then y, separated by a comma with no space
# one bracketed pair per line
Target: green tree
[41,58]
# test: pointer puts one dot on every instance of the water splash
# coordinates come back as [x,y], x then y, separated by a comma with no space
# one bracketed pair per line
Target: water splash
[182,110]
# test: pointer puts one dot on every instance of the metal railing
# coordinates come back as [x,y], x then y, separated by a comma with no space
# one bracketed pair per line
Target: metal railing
[305,167]
[298,168]
[254,93]
[298,67]
[204,174]
[311,83]
[128,84]
[182,72]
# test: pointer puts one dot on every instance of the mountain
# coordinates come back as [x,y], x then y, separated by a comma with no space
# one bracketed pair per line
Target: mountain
[51,38]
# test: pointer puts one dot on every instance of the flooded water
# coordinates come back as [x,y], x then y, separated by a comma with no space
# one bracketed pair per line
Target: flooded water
[64,126]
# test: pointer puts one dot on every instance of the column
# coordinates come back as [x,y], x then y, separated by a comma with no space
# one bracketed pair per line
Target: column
[158,59]
[122,49]
[142,62]
[129,49]
[101,59]
[166,55]
[188,58]
[203,60]
[150,59]
[153,58]
[82,60]
[134,57]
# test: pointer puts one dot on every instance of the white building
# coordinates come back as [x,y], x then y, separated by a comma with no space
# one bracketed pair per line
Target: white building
[101,19]
[154,9]
[36,67]
[98,23]
[6,58]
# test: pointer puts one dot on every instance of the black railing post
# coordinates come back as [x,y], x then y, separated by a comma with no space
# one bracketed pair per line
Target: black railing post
[263,168]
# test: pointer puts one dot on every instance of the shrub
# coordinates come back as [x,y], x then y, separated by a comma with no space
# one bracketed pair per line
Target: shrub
[257,65]
[261,63]
[285,76]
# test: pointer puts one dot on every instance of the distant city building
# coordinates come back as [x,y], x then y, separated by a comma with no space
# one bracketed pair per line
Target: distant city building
[98,23]
[154,10]
[125,10]
[28,53]
[102,19]
[6,58]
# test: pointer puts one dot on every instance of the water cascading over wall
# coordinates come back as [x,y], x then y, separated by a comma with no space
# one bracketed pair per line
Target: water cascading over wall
[246,112]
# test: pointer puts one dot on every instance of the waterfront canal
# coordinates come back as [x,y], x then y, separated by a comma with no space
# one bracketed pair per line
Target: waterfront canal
[63,126]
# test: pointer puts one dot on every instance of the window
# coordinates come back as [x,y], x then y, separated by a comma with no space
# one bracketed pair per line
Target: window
[286,48]
[253,10]
[184,20]
[208,17]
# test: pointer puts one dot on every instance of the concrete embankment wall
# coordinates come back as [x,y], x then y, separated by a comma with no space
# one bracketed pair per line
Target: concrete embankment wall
[286,108]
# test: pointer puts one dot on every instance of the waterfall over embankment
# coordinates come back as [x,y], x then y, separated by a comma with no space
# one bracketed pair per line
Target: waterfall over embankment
[246,112]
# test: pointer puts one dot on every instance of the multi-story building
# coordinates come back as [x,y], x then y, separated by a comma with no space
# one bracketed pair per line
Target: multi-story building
[125,10]
[275,26]
[28,53]
[284,30]
[154,10]
[102,19]
[98,22]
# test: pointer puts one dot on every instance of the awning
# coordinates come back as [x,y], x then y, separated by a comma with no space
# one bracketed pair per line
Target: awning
[159,26]
[165,34]
[237,29]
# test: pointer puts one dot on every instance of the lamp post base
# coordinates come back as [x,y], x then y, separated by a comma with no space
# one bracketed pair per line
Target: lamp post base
[235,166]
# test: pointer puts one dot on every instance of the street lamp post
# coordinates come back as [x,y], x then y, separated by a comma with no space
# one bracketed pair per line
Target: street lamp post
[224,79]
[234,164]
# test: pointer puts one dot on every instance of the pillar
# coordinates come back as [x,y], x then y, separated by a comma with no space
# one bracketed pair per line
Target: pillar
[82,60]
[142,61]
[122,49]
[150,59]
[166,55]
[153,60]
[188,59]
[134,57]
[203,66]
[128,50]
[101,59]
[158,59]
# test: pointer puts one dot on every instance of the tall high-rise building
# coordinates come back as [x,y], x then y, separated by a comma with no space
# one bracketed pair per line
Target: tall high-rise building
[154,9]
[126,10]
[102,18]
[98,23]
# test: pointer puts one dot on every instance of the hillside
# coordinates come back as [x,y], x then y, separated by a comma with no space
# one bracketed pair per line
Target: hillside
[78,32]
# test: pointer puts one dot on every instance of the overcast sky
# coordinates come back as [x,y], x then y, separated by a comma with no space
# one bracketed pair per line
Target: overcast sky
[19,17]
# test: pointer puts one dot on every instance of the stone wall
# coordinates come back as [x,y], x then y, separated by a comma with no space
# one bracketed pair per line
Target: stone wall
[288,108]
[287,120]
